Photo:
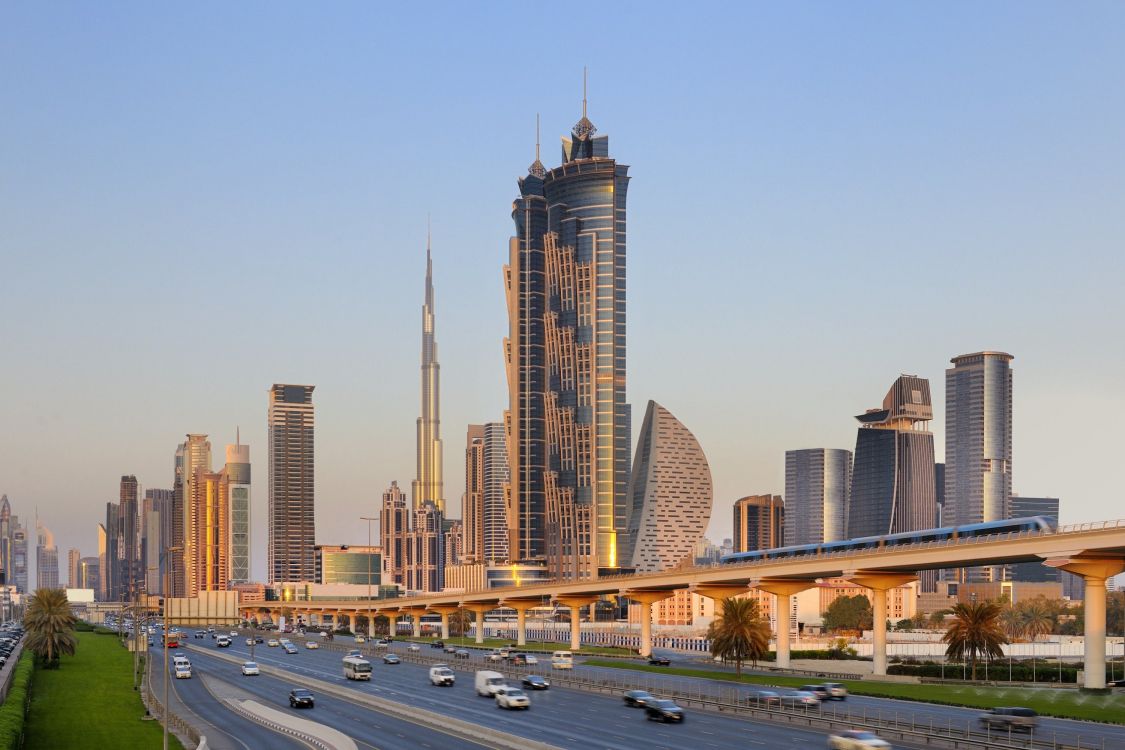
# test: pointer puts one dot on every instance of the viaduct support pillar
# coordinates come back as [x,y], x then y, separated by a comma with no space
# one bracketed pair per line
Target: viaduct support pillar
[646,599]
[479,609]
[783,590]
[445,610]
[521,606]
[1094,571]
[575,605]
[879,583]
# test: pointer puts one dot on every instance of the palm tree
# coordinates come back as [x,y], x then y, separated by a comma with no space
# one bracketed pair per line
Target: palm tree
[976,631]
[1037,620]
[1012,621]
[740,634]
[50,626]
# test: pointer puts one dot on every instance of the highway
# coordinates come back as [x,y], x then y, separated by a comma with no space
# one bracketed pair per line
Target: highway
[561,717]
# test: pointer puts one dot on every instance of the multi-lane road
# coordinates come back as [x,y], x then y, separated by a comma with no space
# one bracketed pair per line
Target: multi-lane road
[561,717]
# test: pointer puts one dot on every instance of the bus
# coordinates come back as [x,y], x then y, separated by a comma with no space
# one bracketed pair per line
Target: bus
[357,668]
[172,640]
[562,660]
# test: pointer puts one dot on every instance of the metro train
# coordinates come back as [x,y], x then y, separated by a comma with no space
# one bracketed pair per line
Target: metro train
[1042,524]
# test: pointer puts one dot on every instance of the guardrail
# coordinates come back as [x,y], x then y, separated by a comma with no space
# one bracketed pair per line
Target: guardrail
[176,724]
[896,725]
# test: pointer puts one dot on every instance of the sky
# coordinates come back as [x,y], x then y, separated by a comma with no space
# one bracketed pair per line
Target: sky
[199,201]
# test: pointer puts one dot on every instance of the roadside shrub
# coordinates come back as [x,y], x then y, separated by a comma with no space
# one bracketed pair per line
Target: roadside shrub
[83,626]
[997,671]
[102,630]
[14,711]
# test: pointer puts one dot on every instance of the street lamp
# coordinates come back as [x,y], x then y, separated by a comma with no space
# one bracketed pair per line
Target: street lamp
[167,596]
[370,614]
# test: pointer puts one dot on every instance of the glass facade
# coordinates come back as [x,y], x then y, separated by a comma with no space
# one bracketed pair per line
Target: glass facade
[817,493]
[357,565]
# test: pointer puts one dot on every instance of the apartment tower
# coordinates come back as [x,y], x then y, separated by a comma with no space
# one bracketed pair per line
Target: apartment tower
[759,523]
[292,529]
[817,490]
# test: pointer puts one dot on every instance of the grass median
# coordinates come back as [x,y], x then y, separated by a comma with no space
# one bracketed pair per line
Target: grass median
[1061,702]
[89,702]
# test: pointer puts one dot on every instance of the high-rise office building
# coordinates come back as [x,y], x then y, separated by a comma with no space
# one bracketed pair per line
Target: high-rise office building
[73,559]
[349,563]
[193,459]
[102,592]
[292,528]
[124,570]
[19,556]
[939,494]
[759,523]
[155,536]
[453,538]
[817,490]
[978,444]
[568,418]
[46,559]
[1025,507]
[472,501]
[88,574]
[428,485]
[208,533]
[496,486]
[5,541]
[394,527]
[893,469]
[237,486]
[425,550]
[669,495]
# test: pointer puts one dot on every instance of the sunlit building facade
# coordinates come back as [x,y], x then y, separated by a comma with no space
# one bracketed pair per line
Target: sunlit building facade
[292,527]
[428,485]
[817,490]
[759,523]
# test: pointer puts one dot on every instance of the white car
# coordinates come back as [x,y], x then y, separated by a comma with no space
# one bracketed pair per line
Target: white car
[311,644]
[512,698]
[234,634]
[855,739]
[413,647]
[358,638]
[250,668]
[273,643]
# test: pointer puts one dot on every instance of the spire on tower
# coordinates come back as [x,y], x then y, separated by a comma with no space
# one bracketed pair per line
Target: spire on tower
[584,129]
[537,167]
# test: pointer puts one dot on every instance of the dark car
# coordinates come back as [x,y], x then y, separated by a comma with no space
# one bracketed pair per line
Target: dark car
[535,682]
[259,639]
[391,659]
[637,698]
[660,661]
[1010,718]
[663,710]
[764,698]
[437,644]
[461,653]
[300,698]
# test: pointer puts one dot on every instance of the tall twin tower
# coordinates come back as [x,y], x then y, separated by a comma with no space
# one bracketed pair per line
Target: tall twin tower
[568,424]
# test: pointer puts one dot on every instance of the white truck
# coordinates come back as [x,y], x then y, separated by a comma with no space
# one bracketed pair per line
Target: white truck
[488,682]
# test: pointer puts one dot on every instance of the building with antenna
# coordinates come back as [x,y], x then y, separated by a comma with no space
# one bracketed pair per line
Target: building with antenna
[427,487]
[569,420]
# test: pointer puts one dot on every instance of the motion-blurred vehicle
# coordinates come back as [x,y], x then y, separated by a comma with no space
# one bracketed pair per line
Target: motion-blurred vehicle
[663,710]
[512,698]
[856,739]
[250,668]
[637,698]
[535,682]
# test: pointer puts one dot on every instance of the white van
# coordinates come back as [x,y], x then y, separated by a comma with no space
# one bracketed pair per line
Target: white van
[442,676]
[562,660]
[182,669]
[487,682]
[357,668]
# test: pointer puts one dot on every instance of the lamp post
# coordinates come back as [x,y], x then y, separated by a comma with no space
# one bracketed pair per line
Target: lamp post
[370,615]
[167,596]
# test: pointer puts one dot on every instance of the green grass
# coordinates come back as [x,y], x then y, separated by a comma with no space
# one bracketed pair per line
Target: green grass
[532,646]
[1061,702]
[89,702]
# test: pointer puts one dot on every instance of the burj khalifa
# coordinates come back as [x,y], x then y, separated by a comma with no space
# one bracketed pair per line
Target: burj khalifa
[428,484]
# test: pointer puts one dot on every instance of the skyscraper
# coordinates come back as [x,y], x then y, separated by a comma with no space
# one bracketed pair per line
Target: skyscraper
[19,556]
[568,418]
[102,592]
[425,550]
[472,501]
[669,495]
[127,569]
[394,527]
[73,558]
[46,559]
[978,443]
[1025,507]
[427,485]
[496,487]
[759,523]
[88,574]
[5,541]
[237,487]
[893,473]
[817,490]
[292,529]
[155,536]
[193,460]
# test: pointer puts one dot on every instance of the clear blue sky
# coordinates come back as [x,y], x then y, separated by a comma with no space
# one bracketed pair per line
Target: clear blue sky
[198,202]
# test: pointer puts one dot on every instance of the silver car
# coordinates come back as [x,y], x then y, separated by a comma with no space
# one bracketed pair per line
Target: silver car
[800,699]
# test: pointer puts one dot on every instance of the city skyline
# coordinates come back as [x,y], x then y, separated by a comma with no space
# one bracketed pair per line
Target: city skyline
[363,367]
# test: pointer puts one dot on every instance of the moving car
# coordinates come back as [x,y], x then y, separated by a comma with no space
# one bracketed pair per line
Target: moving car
[442,676]
[637,698]
[182,669]
[511,698]
[437,644]
[800,699]
[855,739]
[352,652]
[664,710]
[1010,717]
[273,642]
[222,642]
[461,653]
[764,698]
[301,698]
[290,648]
[836,691]
[249,641]
[535,682]
[562,660]
[522,658]
[819,691]
[659,661]
[358,638]
[311,645]
[234,634]
[250,668]
[488,682]
[391,659]
[413,647]
[496,655]
[449,649]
